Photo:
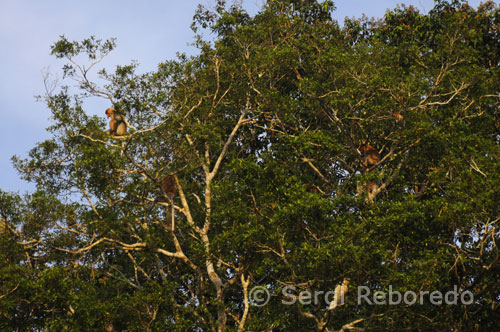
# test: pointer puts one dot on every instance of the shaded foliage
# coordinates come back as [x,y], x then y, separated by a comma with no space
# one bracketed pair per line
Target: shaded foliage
[264,133]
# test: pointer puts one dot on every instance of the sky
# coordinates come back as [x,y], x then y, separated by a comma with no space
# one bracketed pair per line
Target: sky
[149,32]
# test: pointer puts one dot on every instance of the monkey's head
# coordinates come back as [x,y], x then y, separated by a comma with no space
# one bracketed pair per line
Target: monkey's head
[109,112]
[366,147]
[398,117]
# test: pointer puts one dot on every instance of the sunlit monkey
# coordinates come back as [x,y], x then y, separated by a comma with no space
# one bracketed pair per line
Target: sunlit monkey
[398,117]
[370,155]
[117,125]
[338,297]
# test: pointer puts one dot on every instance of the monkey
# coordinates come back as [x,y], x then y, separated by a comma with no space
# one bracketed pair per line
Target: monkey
[370,155]
[168,186]
[398,117]
[338,297]
[371,189]
[109,327]
[117,125]
[399,120]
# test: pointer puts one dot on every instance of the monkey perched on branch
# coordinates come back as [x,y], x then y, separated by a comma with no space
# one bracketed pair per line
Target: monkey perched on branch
[398,117]
[168,189]
[369,154]
[369,157]
[168,186]
[340,291]
[117,124]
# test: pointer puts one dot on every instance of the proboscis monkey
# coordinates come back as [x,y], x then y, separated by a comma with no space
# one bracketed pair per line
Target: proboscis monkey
[398,117]
[168,189]
[370,155]
[168,186]
[117,125]
[338,297]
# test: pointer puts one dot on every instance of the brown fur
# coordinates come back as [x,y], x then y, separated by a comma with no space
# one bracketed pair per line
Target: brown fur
[168,185]
[117,125]
[398,117]
[370,155]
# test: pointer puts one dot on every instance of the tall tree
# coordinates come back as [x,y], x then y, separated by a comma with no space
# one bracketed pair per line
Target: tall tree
[304,155]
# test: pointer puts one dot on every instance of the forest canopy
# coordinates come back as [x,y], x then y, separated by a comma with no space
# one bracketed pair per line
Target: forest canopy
[292,155]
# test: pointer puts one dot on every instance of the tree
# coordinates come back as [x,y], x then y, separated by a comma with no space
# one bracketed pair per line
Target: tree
[267,134]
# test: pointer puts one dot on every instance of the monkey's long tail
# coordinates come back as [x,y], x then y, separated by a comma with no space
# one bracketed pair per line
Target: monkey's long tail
[172,212]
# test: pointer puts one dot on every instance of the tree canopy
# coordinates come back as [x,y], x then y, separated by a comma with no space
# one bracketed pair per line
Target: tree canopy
[304,153]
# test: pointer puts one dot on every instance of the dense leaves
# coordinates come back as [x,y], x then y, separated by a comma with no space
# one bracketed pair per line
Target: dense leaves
[305,153]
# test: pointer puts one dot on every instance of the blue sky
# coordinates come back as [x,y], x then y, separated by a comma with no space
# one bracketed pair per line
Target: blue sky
[148,31]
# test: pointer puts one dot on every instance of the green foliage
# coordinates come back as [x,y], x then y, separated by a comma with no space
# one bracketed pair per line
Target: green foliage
[266,132]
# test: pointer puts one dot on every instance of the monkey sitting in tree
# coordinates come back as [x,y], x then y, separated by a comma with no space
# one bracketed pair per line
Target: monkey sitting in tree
[369,154]
[168,186]
[117,124]
[168,190]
